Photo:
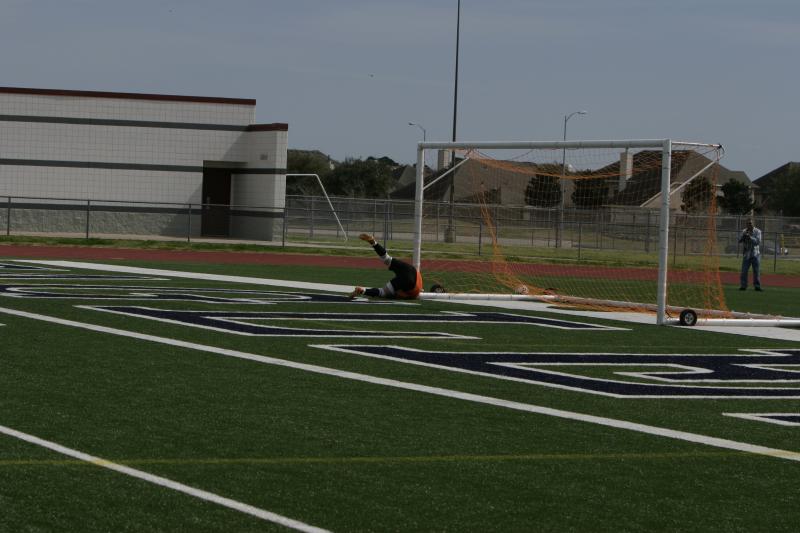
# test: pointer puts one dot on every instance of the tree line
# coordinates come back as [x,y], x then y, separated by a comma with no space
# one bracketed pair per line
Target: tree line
[736,199]
[353,177]
[377,177]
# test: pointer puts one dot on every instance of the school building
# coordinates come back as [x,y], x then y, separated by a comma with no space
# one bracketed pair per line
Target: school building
[139,163]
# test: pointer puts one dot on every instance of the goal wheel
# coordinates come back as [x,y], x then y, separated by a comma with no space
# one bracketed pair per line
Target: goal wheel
[688,318]
[438,289]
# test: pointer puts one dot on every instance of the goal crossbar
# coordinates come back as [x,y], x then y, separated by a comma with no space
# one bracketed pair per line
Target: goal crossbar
[521,145]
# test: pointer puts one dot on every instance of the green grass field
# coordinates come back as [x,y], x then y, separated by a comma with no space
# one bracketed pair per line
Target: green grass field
[284,422]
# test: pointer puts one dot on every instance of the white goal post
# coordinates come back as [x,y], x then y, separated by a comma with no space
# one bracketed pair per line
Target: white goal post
[327,198]
[666,147]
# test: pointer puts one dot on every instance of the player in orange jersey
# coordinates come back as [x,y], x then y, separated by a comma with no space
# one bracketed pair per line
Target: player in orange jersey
[406,283]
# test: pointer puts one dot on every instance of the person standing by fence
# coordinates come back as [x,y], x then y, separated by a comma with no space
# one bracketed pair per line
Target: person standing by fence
[751,256]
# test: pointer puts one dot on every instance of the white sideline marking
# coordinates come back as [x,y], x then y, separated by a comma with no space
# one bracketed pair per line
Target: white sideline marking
[164,482]
[786,334]
[195,275]
[437,391]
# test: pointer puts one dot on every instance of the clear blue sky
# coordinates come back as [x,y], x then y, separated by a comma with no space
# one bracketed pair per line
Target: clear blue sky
[348,75]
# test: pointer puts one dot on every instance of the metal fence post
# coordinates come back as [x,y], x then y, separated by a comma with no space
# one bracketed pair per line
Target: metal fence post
[685,237]
[390,223]
[346,216]
[675,245]
[738,232]
[283,231]
[189,224]
[530,222]
[598,232]
[88,210]
[480,235]
[311,228]
[775,251]
[8,218]
[386,222]
[437,221]
[601,229]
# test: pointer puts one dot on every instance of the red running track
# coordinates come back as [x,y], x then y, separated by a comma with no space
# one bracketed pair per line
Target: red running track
[78,253]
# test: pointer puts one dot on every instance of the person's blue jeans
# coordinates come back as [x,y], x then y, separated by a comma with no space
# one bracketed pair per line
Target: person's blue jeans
[747,262]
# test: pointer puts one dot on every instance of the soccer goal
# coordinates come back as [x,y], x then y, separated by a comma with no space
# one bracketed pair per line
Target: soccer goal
[327,199]
[625,224]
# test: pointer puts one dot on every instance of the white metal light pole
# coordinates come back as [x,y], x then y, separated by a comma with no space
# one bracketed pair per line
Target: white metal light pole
[450,231]
[455,79]
[567,117]
[564,152]
[564,178]
[424,133]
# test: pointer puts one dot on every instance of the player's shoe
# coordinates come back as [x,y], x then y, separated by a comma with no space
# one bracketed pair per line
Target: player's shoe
[358,291]
[367,237]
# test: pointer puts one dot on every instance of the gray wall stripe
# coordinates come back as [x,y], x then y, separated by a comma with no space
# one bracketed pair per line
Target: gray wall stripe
[101,206]
[133,166]
[116,122]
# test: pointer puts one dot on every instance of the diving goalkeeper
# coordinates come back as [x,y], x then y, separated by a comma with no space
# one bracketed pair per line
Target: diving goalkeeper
[406,283]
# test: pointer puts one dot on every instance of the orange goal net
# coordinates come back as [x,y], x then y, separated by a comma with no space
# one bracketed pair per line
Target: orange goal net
[593,223]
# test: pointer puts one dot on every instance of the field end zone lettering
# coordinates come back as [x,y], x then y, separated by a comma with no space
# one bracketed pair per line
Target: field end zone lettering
[225,321]
[684,436]
[690,376]
[246,322]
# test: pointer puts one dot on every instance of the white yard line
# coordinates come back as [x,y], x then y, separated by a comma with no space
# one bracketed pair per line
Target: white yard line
[195,275]
[164,482]
[447,393]
[641,318]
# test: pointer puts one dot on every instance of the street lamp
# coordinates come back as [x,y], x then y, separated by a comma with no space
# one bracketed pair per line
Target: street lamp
[564,177]
[564,155]
[424,133]
[450,231]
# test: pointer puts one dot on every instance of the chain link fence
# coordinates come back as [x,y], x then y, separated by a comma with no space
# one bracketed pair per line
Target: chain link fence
[458,227]
[528,230]
[69,217]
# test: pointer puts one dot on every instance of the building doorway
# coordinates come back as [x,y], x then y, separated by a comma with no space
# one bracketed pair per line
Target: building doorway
[215,221]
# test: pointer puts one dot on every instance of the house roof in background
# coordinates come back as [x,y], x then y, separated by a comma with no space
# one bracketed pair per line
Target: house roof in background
[765,181]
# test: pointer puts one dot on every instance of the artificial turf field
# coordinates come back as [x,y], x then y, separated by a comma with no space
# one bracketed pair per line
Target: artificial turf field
[209,405]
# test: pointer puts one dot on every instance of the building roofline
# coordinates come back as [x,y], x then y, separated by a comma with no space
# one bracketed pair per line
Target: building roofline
[275,126]
[129,96]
